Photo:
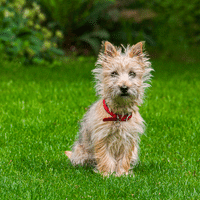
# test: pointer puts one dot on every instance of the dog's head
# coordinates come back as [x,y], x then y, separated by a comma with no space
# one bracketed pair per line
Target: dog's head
[122,77]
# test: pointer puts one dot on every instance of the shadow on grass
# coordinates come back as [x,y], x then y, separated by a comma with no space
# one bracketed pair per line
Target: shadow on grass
[149,167]
[66,165]
[143,169]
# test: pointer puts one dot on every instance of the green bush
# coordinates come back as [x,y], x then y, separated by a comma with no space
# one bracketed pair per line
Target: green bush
[24,34]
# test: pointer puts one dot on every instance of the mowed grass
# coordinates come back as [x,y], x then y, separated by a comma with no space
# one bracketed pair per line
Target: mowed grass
[40,110]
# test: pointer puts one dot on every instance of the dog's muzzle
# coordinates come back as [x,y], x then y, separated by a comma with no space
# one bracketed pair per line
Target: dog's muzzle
[124,90]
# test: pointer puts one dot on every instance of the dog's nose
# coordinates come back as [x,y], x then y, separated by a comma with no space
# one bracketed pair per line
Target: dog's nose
[124,89]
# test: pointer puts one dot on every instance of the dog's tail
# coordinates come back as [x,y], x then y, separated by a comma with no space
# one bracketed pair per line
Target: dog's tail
[68,154]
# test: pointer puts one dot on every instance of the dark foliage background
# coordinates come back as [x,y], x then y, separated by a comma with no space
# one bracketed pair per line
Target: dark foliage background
[170,28]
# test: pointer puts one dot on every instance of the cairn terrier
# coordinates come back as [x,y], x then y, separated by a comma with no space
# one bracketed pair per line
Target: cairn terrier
[110,130]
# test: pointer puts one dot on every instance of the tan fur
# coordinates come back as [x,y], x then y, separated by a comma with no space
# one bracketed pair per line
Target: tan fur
[113,145]
[68,154]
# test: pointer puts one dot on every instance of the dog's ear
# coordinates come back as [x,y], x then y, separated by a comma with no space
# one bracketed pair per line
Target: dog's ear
[136,50]
[109,49]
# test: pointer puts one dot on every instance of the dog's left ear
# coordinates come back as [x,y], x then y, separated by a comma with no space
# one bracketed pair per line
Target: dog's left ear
[136,50]
[109,49]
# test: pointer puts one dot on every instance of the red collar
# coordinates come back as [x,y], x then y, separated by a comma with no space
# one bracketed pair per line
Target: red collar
[115,117]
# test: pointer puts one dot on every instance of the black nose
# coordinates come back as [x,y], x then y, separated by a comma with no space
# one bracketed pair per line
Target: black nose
[124,89]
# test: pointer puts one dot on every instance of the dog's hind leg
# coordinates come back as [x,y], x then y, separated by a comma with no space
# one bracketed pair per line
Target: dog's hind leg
[79,154]
[68,154]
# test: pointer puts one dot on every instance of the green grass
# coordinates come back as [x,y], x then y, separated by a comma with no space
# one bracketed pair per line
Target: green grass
[40,110]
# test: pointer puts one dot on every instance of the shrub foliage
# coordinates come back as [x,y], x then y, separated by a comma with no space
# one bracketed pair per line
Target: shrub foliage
[24,33]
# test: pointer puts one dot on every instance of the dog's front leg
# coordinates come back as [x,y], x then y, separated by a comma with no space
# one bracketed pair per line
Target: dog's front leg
[106,164]
[123,164]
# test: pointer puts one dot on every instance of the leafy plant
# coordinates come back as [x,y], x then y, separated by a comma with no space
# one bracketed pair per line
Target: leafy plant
[23,35]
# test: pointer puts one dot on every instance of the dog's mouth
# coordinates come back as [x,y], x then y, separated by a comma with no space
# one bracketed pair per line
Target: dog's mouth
[125,94]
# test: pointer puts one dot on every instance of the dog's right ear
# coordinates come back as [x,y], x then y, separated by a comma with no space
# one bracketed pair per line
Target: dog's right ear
[136,50]
[109,49]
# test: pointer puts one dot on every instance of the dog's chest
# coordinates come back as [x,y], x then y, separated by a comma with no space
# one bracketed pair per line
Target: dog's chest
[120,132]
[119,138]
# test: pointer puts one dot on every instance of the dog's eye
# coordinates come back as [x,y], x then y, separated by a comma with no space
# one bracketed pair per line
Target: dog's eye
[132,74]
[113,74]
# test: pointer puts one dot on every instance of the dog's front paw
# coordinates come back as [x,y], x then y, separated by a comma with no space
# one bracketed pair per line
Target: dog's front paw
[125,173]
[104,174]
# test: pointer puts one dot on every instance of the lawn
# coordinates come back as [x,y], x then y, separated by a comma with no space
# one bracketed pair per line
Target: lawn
[40,111]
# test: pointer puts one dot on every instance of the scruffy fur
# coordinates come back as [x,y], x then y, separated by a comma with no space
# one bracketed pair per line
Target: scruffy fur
[113,145]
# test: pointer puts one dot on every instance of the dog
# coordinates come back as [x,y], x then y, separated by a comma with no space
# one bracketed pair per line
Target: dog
[110,131]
